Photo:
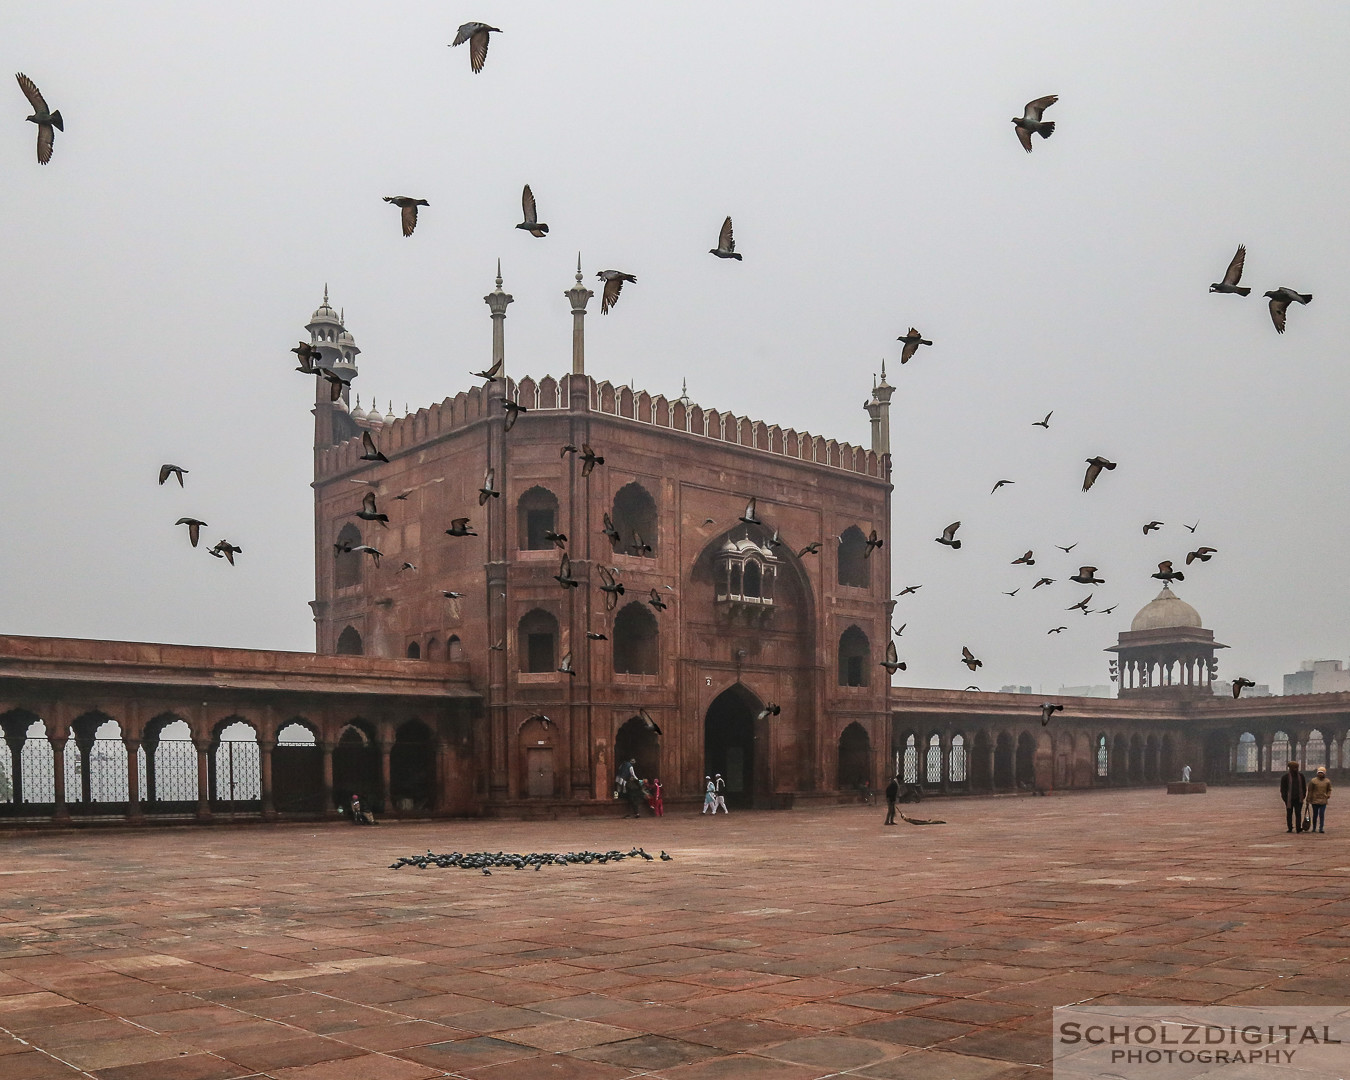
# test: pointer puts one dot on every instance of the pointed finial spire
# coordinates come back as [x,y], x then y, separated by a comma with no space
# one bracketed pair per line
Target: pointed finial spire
[499,273]
[883,370]
[325,292]
[578,268]
[342,318]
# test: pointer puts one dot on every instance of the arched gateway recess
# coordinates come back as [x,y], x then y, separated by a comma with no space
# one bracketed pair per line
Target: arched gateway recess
[636,740]
[855,758]
[729,742]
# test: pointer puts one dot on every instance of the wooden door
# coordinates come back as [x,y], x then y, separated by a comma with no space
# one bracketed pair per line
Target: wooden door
[539,761]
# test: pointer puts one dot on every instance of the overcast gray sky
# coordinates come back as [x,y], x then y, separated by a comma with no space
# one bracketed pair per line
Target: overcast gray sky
[221,163]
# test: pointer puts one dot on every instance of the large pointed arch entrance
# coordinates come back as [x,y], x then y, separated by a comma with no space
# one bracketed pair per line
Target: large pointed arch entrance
[734,745]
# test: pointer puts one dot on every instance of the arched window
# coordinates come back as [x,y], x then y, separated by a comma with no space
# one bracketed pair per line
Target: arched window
[855,657]
[1279,751]
[434,650]
[634,517]
[1248,758]
[537,514]
[347,569]
[933,772]
[454,648]
[414,651]
[636,641]
[854,570]
[910,764]
[1103,758]
[537,641]
[1316,750]
[349,642]
[750,582]
[956,760]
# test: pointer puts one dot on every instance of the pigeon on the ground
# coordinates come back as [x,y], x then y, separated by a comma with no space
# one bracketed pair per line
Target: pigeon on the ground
[1087,575]
[476,34]
[165,471]
[726,243]
[1167,574]
[225,550]
[489,489]
[1095,465]
[368,511]
[613,280]
[194,528]
[42,116]
[531,224]
[460,527]
[371,452]
[968,658]
[1233,275]
[666,858]
[1047,711]
[1202,554]
[912,342]
[948,536]
[1030,122]
[1153,526]
[408,205]
[1280,299]
[1239,684]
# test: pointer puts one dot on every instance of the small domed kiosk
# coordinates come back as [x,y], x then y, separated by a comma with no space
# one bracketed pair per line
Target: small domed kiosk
[1166,652]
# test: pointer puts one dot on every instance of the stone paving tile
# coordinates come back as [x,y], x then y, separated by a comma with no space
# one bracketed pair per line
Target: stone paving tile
[213,949]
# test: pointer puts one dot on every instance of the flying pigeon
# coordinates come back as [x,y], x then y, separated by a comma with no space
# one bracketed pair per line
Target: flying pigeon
[406,566]
[1043,581]
[450,594]
[750,517]
[557,539]
[948,536]
[1087,575]
[589,459]
[639,546]
[593,636]
[365,549]
[1002,483]
[335,382]
[1167,574]
[610,586]
[1068,549]
[726,243]
[566,666]
[912,342]
[813,548]
[1030,122]
[1239,684]
[1094,467]
[368,512]
[1044,423]
[459,527]
[165,471]
[1233,275]
[409,206]
[1153,526]
[647,722]
[1025,560]
[372,452]
[499,647]
[1047,711]
[899,631]
[1014,592]
[476,34]
[1107,610]
[568,449]
[1280,299]
[1082,604]
[656,601]
[490,374]
[1191,528]
[306,354]
[874,542]
[513,412]
[968,658]
[613,280]
[531,224]
[564,575]
[1203,554]
[1057,630]
[194,528]
[892,663]
[610,531]
[488,490]
[909,589]
[225,550]
[42,116]
[770,709]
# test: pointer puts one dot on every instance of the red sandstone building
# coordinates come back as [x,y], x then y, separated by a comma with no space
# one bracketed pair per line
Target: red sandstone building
[426,703]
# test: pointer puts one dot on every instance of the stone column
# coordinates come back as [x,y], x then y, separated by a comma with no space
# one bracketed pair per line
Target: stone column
[495,541]
[326,756]
[386,785]
[989,760]
[579,781]
[133,746]
[578,294]
[15,740]
[203,779]
[265,748]
[60,811]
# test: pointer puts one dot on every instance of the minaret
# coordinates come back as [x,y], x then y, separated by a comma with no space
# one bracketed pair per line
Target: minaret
[337,351]
[495,539]
[881,418]
[578,294]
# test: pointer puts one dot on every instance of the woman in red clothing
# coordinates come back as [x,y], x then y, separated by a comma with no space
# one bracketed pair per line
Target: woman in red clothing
[654,799]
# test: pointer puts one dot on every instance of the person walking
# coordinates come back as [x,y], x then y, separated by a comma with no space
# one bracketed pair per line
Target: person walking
[720,790]
[892,793]
[709,797]
[1293,790]
[632,787]
[1319,793]
[654,799]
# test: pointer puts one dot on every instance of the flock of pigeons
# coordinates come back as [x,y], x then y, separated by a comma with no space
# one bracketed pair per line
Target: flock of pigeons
[223,549]
[504,860]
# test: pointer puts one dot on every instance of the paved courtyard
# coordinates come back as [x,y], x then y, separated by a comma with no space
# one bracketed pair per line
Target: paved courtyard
[786,945]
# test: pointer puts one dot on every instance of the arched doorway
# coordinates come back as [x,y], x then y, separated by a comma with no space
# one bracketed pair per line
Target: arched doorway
[1026,760]
[1003,762]
[412,768]
[297,769]
[356,768]
[729,744]
[636,740]
[855,758]
[980,777]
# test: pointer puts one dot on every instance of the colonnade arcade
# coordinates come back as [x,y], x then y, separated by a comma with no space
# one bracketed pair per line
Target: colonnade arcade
[1167,669]
[1263,750]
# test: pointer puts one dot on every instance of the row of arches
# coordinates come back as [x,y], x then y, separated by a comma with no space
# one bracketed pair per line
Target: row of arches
[1250,754]
[169,768]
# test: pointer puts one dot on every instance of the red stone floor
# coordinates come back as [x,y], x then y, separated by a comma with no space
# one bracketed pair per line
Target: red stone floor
[790,945]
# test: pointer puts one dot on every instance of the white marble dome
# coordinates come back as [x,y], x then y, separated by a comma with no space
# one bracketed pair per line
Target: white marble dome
[1165,611]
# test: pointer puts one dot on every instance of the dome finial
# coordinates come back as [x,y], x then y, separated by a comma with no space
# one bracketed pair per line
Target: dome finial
[578,268]
[325,292]
[499,273]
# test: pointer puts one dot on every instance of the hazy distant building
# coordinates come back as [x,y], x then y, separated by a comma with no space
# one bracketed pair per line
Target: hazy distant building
[1010,689]
[1085,691]
[1318,677]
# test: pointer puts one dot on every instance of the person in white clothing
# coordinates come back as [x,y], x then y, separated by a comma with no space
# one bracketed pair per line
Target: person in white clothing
[709,797]
[719,789]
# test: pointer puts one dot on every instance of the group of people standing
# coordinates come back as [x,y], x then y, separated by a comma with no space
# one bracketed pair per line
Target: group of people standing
[1305,801]
[637,791]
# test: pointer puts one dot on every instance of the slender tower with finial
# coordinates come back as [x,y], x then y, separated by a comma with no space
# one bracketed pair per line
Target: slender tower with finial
[495,539]
[578,294]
